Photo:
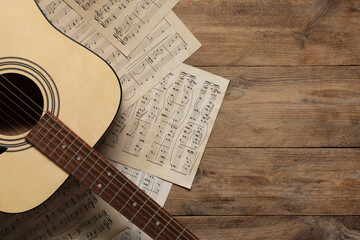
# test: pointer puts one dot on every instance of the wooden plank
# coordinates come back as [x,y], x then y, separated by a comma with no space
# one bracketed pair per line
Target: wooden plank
[289,107]
[275,227]
[272,32]
[236,181]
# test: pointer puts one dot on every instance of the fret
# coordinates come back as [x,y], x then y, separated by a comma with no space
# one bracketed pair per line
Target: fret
[140,209]
[41,127]
[98,176]
[78,161]
[141,218]
[188,235]
[170,225]
[108,183]
[52,137]
[97,160]
[76,154]
[181,234]
[73,142]
[151,219]
[119,191]
[59,143]
[45,136]
[163,228]
[73,155]
[64,154]
[82,160]
[129,200]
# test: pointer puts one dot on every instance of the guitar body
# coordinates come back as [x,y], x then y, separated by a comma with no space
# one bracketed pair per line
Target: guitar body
[75,85]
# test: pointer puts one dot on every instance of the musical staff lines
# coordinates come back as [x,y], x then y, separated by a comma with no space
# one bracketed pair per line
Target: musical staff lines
[125,23]
[73,212]
[166,131]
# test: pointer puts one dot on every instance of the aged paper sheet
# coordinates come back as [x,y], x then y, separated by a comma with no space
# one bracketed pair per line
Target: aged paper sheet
[74,212]
[125,23]
[168,45]
[166,131]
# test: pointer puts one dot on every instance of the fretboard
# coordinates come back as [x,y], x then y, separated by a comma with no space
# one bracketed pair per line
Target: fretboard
[77,158]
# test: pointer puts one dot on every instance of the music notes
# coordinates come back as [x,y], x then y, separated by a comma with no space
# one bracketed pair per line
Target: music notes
[156,188]
[166,47]
[125,23]
[166,131]
[73,212]
[169,44]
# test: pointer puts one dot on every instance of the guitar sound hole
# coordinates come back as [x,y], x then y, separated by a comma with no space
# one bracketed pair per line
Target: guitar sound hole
[21,104]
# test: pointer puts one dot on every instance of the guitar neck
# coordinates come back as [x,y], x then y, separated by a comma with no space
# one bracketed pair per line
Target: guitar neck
[54,139]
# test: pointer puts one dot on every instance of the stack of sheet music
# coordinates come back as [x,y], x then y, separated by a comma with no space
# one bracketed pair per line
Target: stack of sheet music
[168,110]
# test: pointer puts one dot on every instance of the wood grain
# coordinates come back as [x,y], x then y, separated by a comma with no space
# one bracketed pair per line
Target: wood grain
[287,136]
[275,227]
[289,107]
[234,181]
[272,32]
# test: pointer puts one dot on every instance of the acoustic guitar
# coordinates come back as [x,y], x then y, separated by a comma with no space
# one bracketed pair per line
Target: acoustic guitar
[57,100]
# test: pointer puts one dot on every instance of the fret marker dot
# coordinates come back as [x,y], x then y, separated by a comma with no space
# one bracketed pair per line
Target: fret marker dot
[63,146]
[109,174]
[134,204]
[99,185]
[78,158]
[157,223]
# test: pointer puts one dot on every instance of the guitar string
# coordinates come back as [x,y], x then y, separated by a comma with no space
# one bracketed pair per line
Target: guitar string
[92,159]
[17,130]
[171,218]
[138,212]
[103,171]
[22,94]
[126,200]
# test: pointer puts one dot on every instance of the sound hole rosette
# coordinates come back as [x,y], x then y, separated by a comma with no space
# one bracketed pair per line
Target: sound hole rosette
[46,86]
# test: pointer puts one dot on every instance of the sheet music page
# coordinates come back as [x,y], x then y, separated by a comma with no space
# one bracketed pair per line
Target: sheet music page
[73,212]
[171,44]
[168,45]
[125,23]
[165,132]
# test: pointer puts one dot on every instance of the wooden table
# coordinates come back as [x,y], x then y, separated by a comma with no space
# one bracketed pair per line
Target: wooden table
[283,161]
